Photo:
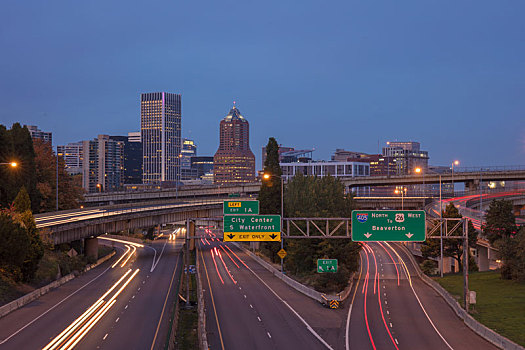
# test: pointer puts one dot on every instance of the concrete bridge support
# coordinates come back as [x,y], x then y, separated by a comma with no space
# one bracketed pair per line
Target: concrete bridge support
[483,258]
[472,186]
[91,247]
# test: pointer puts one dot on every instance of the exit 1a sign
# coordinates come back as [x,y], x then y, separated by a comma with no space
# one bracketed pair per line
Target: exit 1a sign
[326,265]
[388,225]
[240,207]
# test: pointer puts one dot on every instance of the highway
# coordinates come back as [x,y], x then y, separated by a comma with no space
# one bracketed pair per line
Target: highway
[123,303]
[243,310]
[393,309]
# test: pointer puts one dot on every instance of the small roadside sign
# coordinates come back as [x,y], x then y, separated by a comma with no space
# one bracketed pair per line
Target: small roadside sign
[326,265]
[281,253]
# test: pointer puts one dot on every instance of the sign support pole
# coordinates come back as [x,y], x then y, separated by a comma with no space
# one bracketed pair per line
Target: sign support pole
[187,263]
[282,216]
[465,265]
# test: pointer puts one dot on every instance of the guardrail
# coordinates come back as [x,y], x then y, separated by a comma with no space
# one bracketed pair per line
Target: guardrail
[201,329]
[37,293]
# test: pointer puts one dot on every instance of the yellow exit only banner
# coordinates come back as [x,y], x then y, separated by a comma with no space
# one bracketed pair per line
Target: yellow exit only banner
[252,237]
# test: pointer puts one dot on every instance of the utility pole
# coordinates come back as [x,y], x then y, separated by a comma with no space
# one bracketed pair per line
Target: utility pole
[465,265]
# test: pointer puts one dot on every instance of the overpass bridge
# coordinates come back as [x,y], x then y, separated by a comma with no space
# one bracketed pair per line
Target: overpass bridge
[471,178]
[72,225]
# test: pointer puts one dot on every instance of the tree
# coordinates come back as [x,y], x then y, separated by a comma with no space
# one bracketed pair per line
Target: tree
[20,213]
[500,220]
[452,247]
[16,145]
[70,191]
[309,196]
[501,231]
[270,192]
[15,242]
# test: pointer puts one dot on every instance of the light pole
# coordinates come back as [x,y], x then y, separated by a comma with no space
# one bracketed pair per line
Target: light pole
[267,177]
[418,171]
[440,227]
[456,163]
[403,191]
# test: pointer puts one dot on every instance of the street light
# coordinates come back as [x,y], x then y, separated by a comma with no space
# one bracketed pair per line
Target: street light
[12,164]
[99,186]
[418,171]
[267,176]
[403,192]
[456,163]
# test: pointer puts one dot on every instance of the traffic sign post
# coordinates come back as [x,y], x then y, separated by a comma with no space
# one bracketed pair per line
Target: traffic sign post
[252,228]
[240,207]
[326,265]
[388,225]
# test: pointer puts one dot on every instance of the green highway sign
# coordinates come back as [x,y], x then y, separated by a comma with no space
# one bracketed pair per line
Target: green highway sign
[240,207]
[388,225]
[326,265]
[252,228]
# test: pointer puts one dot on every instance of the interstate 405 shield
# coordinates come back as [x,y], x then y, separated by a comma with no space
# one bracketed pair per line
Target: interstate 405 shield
[388,225]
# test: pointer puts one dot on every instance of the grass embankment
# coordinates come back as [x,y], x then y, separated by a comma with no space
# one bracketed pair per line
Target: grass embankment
[187,337]
[53,265]
[500,303]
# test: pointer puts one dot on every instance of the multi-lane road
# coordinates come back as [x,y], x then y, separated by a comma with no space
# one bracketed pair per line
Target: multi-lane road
[126,303]
[389,307]
[123,303]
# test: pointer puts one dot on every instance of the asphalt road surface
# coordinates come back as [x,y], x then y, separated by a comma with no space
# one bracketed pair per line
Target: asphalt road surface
[133,310]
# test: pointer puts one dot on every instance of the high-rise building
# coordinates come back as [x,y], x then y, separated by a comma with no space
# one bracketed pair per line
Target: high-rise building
[407,156]
[36,133]
[132,157]
[160,122]
[203,165]
[103,164]
[234,162]
[72,153]
[189,149]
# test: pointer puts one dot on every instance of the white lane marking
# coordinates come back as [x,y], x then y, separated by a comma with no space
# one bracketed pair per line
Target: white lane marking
[259,318]
[126,307]
[251,306]
[118,318]
[133,297]
[315,334]
[405,268]
[396,341]
[387,312]
[54,306]
[386,302]
[138,289]
[390,324]
[244,296]
[105,337]
[269,336]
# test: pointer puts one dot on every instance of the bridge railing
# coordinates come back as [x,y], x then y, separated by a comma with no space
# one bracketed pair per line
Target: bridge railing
[479,169]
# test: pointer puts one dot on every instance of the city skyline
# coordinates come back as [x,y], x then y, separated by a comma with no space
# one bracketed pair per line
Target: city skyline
[447,75]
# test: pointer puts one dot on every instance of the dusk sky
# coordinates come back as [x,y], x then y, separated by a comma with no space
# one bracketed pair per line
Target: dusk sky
[312,74]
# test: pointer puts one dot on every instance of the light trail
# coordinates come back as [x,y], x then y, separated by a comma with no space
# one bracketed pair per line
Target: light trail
[216,268]
[395,264]
[226,268]
[229,256]
[122,256]
[236,256]
[88,315]
[419,301]
[367,277]
[129,256]
[379,300]
[122,241]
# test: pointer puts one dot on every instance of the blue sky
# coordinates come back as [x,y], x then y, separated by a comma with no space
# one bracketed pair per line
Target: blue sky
[313,74]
